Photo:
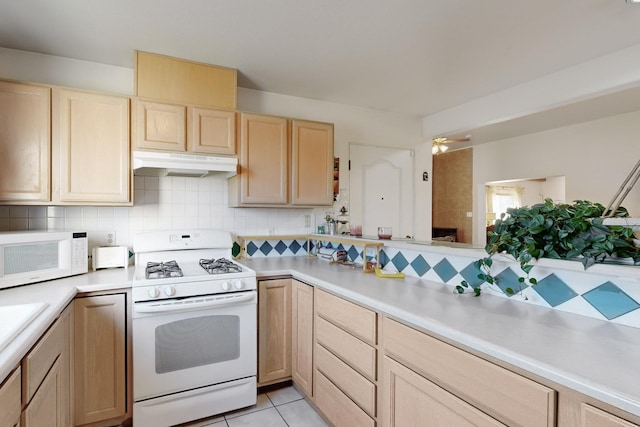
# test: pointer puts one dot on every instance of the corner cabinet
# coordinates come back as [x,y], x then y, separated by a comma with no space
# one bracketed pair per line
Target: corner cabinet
[25,143]
[283,162]
[183,128]
[101,358]
[91,149]
[274,331]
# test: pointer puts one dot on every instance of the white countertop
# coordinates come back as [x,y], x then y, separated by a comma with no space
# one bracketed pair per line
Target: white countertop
[594,357]
[56,294]
[591,356]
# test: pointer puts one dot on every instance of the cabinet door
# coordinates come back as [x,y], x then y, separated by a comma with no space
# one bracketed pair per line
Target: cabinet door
[46,408]
[311,163]
[100,358]
[302,336]
[274,330]
[91,151]
[211,131]
[159,126]
[264,153]
[25,142]
[10,403]
[411,400]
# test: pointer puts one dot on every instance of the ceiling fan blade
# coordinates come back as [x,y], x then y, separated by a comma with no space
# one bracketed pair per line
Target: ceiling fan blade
[450,140]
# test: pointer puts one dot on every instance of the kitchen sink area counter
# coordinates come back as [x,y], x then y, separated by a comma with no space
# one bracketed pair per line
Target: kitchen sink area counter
[563,350]
[56,295]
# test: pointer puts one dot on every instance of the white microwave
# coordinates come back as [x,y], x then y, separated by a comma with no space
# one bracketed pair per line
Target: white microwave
[34,256]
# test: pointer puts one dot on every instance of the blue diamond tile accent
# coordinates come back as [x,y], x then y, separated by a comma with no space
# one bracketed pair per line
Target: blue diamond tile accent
[508,279]
[340,247]
[384,258]
[281,247]
[420,266]
[310,246]
[470,274]
[251,248]
[553,290]
[295,246]
[445,270]
[353,253]
[610,300]
[399,261]
[265,248]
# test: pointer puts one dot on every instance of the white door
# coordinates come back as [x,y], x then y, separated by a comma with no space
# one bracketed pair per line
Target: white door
[381,189]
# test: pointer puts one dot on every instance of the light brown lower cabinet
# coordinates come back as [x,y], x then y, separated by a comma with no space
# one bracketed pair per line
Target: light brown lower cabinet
[412,400]
[345,353]
[10,401]
[100,358]
[361,369]
[274,331]
[302,336]
[46,387]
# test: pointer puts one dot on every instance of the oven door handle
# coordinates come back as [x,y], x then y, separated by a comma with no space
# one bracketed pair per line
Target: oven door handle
[194,304]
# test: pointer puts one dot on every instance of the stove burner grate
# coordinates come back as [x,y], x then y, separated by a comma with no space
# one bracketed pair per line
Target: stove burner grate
[220,266]
[162,270]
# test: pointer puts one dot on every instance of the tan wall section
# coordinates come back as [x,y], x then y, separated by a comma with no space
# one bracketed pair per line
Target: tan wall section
[452,192]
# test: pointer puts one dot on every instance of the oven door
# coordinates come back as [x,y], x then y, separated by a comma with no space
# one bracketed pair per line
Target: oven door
[184,344]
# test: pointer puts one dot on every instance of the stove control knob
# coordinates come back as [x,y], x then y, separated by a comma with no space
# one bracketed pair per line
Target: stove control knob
[238,284]
[225,286]
[170,291]
[153,292]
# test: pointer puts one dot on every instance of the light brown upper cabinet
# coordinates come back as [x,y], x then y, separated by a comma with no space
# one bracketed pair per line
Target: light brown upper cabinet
[181,128]
[91,148]
[25,143]
[283,162]
[311,163]
[185,82]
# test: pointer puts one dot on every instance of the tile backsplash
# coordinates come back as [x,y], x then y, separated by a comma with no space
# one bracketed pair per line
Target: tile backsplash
[162,203]
[612,297]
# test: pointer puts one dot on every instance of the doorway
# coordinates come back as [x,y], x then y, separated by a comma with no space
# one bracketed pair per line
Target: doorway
[381,189]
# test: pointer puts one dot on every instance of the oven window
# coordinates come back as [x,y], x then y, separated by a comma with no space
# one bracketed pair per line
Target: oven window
[197,341]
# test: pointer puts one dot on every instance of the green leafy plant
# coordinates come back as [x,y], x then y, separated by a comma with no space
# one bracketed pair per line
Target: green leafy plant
[559,231]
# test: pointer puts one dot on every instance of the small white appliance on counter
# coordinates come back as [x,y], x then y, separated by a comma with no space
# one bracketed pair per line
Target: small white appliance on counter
[35,256]
[110,257]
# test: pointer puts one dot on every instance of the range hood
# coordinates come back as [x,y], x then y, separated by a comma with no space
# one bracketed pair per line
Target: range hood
[149,163]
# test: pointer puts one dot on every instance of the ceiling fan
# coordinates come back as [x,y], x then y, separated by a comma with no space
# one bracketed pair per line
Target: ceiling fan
[440,144]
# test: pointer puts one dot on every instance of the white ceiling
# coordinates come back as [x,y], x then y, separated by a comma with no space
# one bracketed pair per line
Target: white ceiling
[409,56]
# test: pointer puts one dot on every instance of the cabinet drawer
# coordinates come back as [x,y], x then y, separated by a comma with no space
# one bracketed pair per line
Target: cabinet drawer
[40,359]
[10,400]
[412,400]
[508,396]
[361,356]
[360,321]
[354,385]
[337,407]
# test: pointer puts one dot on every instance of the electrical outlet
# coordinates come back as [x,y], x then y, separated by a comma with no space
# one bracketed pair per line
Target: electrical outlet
[469,214]
[307,220]
[110,239]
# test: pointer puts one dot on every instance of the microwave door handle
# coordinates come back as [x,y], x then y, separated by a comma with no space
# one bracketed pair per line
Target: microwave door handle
[196,305]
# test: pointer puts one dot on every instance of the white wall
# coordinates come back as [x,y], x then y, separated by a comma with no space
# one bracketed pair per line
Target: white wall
[594,157]
[193,202]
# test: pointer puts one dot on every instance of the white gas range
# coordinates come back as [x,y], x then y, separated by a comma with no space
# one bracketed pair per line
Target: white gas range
[194,328]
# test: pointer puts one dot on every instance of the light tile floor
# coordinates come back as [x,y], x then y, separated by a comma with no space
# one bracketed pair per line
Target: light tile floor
[282,407]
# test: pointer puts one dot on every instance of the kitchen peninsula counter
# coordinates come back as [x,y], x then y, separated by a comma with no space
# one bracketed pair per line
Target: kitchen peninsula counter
[596,358]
